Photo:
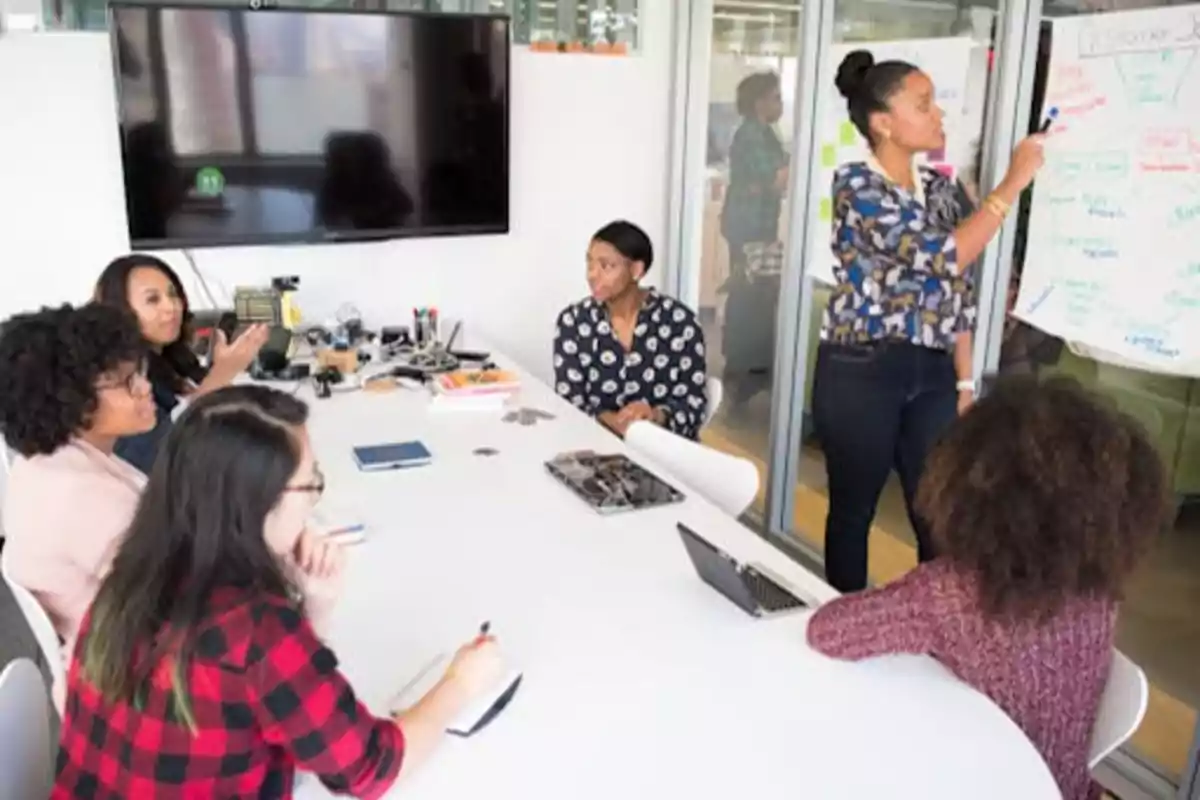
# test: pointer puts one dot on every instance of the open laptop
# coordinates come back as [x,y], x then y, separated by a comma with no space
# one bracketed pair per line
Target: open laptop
[750,587]
[611,482]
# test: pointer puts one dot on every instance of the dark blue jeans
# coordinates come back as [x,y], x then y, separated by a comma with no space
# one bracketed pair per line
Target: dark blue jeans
[876,408]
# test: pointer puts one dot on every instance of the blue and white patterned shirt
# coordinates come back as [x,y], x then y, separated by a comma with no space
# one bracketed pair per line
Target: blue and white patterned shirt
[665,366]
[897,272]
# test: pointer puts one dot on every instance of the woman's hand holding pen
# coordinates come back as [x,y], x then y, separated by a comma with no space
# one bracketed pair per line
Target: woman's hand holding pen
[1027,159]
[476,666]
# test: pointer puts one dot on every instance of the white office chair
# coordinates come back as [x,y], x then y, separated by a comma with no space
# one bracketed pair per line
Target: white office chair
[26,749]
[1122,708]
[43,631]
[729,482]
[716,392]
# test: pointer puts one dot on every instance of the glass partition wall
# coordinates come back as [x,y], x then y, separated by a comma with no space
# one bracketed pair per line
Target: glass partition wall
[749,97]
[762,307]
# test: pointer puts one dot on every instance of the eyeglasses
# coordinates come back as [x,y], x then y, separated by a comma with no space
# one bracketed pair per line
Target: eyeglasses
[317,487]
[131,383]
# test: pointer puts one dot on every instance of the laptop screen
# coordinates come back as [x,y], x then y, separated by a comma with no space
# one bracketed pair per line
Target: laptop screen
[717,569]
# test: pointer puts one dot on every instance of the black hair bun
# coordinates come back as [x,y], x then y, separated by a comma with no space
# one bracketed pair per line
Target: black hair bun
[852,72]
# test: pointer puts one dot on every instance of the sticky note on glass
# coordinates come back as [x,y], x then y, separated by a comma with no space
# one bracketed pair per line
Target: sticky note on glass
[828,155]
[826,211]
[847,135]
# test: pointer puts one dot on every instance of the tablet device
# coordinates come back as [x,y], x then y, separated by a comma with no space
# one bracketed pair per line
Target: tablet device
[392,456]
[611,483]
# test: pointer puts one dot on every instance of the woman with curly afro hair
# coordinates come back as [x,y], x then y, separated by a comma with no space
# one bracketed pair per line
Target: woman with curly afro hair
[1041,501]
[72,382]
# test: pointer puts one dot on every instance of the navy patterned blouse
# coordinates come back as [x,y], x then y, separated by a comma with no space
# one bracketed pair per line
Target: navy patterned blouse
[665,366]
[141,449]
[897,272]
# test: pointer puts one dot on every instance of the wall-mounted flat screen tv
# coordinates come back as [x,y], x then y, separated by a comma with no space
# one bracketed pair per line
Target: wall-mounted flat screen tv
[273,126]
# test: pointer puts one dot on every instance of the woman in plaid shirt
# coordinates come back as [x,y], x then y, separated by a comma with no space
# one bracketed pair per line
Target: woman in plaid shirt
[198,672]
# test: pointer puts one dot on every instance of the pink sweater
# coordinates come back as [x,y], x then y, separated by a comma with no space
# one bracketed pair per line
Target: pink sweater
[1047,677]
[64,516]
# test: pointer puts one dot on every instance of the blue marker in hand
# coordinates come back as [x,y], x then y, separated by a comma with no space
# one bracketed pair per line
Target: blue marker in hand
[1051,115]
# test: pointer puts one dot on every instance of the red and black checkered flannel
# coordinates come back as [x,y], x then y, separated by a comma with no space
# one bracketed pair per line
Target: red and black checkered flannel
[266,698]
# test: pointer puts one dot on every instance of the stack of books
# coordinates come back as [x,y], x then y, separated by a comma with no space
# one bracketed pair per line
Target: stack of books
[474,390]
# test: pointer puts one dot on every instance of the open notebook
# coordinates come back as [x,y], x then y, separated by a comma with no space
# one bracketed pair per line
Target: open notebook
[476,715]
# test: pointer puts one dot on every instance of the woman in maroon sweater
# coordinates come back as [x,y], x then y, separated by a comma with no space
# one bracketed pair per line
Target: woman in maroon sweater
[1041,500]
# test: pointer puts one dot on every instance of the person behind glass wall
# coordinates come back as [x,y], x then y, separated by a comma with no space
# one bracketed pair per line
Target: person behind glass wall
[147,288]
[894,364]
[199,670]
[626,353]
[758,176]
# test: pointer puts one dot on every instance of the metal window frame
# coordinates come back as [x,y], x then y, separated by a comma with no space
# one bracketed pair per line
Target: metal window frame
[691,65]
[814,86]
[1009,104]
[1189,786]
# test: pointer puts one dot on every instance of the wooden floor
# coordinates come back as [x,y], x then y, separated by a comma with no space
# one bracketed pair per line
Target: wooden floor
[1166,733]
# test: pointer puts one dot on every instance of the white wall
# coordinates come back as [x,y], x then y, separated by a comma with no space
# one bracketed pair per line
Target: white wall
[589,136]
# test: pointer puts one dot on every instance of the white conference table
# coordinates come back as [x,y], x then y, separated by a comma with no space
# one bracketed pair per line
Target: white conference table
[640,681]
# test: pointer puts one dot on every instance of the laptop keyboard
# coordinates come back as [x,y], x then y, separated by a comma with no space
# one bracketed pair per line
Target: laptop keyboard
[770,595]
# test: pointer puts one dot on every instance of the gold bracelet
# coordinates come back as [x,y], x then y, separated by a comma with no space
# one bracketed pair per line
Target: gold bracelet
[996,206]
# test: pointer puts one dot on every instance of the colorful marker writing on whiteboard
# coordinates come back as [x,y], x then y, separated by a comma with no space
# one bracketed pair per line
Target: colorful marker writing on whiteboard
[1051,115]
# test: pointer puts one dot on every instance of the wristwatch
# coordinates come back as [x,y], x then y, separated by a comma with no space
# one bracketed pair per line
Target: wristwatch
[966,386]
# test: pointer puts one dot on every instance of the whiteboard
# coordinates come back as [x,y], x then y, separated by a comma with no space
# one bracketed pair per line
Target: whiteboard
[948,62]
[62,205]
[1114,233]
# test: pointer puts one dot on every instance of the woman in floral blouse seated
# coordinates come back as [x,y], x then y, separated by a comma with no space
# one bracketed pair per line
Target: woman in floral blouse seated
[627,353]
[1041,501]
[894,364]
[198,671]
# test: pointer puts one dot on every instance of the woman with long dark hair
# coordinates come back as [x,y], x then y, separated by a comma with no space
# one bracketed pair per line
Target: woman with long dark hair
[198,670]
[146,287]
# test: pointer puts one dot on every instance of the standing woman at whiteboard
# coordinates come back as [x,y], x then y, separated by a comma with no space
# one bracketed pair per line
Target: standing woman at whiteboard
[894,364]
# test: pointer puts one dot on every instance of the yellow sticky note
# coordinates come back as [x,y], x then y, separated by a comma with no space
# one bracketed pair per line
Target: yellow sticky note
[828,155]
[826,211]
[848,135]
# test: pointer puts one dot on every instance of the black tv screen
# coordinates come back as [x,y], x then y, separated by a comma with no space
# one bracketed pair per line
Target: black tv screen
[269,126]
